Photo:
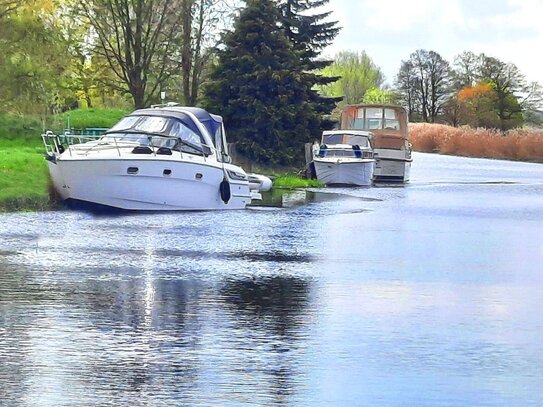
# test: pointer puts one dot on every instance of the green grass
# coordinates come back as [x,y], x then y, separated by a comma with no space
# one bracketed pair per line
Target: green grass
[292,182]
[24,179]
[88,118]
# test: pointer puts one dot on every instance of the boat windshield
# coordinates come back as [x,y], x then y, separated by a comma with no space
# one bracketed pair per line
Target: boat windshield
[374,118]
[351,139]
[156,131]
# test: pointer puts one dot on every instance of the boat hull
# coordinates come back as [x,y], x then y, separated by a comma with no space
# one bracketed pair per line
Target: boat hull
[392,166]
[146,185]
[337,172]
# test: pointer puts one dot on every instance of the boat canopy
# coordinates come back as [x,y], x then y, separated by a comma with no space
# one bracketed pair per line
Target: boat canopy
[379,119]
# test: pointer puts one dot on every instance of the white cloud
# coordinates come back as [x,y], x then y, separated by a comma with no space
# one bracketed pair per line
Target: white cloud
[389,30]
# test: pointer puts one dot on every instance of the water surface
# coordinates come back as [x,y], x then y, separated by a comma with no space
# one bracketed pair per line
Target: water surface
[428,294]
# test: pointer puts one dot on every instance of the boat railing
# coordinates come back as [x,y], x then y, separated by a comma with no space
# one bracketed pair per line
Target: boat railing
[57,144]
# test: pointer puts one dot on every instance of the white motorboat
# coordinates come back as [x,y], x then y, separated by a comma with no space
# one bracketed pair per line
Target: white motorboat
[388,124]
[344,157]
[163,158]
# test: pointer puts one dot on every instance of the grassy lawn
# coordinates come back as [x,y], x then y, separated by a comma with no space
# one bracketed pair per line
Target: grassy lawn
[24,178]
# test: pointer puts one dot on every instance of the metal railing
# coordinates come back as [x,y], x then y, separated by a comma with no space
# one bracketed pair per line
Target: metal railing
[58,144]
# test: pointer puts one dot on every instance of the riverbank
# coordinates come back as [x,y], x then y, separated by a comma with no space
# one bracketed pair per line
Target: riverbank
[515,145]
[24,178]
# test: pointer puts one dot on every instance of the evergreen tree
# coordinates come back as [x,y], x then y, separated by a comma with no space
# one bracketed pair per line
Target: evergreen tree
[259,89]
[310,34]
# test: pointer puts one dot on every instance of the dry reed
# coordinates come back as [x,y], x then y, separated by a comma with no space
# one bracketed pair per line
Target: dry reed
[521,144]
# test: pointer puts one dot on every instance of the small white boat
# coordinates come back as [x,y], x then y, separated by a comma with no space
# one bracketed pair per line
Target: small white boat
[390,140]
[162,158]
[344,157]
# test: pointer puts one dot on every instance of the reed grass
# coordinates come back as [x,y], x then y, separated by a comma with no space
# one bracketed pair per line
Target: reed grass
[520,144]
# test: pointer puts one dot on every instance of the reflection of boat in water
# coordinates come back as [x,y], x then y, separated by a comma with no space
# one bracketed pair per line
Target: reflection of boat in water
[162,158]
[345,157]
[388,124]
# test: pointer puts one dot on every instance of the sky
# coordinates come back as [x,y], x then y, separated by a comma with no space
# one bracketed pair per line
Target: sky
[390,30]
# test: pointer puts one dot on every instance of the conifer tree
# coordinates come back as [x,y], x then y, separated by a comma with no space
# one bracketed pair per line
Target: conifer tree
[310,34]
[259,89]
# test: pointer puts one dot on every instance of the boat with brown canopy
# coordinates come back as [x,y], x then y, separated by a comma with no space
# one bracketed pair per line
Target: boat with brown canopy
[388,124]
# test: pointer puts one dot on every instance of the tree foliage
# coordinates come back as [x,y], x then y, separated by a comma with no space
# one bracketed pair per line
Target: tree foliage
[507,93]
[310,34]
[137,38]
[424,83]
[358,74]
[260,90]
[32,58]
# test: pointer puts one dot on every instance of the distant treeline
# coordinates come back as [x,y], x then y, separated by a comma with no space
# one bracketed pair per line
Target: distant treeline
[257,63]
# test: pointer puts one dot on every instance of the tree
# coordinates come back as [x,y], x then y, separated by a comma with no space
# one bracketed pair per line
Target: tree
[309,35]
[358,74]
[200,22]
[466,70]
[380,96]
[477,106]
[137,38]
[425,79]
[32,59]
[259,89]
[407,89]
[7,7]
[512,91]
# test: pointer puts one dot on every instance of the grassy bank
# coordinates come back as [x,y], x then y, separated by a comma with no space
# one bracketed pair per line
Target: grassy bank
[24,179]
[521,145]
[293,181]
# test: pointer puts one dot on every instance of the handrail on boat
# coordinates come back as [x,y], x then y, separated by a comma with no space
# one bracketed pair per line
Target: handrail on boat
[55,143]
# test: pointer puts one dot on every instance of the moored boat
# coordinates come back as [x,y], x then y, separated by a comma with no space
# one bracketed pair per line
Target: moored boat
[344,157]
[162,158]
[388,124]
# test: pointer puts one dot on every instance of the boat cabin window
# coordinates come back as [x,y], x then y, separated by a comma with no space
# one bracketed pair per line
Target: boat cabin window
[375,118]
[391,119]
[332,139]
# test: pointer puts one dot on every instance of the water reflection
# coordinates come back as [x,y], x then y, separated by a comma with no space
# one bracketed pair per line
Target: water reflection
[422,295]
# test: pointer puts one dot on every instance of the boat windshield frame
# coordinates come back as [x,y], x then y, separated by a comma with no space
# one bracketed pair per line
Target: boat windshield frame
[149,139]
[348,139]
[167,127]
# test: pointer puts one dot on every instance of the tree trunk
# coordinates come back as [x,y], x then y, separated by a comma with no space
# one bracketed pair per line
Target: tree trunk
[186,50]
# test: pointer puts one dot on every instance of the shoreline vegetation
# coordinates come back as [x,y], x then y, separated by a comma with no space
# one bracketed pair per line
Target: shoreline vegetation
[514,145]
[25,183]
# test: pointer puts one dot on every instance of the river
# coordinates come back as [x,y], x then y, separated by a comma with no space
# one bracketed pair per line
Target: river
[425,295]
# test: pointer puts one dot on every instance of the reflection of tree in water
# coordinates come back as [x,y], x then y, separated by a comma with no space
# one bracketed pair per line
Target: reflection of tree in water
[158,324]
[269,315]
[13,333]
